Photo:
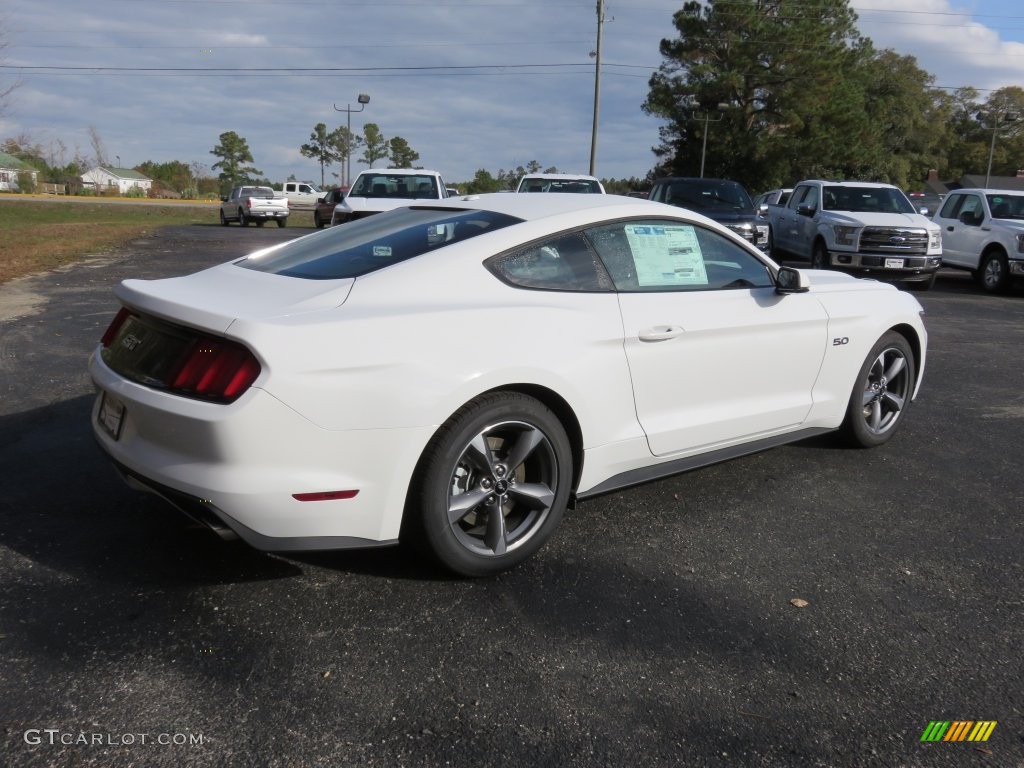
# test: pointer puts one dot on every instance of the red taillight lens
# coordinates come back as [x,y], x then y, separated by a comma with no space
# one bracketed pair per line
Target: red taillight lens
[115,325]
[215,369]
[325,495]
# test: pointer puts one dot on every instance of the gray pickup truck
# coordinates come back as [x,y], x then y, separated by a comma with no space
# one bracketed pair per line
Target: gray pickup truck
[251,203]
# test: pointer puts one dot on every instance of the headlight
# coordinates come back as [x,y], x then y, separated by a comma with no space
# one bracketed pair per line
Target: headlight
[1020,243]
[762,234]
[934,239]
[846,236]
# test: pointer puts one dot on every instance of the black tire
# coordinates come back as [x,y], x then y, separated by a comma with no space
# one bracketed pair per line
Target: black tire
[503,453]
[993,272]
[282,222]
[922,285]
[242,218]
[819,256]
[260,223]
[223,221]
[317,222]
[881,393]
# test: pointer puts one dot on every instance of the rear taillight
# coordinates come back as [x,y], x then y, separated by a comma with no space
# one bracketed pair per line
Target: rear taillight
[215,369]
[115,325]
[178,359]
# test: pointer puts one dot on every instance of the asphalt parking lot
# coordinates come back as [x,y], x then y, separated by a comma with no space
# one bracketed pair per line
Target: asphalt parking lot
[656,629]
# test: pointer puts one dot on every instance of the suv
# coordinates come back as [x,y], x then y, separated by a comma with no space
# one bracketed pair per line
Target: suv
[864,228]
[983,231]
[724,201]
[382,189]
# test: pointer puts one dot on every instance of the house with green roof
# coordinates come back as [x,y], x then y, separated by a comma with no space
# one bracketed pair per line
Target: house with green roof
[10,167]
[104,179]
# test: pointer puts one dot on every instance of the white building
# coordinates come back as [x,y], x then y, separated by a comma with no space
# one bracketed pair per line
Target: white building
[10,167]
[122,179]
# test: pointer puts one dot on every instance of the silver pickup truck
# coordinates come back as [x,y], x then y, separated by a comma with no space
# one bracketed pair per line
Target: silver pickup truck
[251,203]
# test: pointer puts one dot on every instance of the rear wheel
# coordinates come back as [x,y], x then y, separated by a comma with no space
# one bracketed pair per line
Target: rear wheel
[881,393]
[994,271]
[282,222]
[492,485]
[242,218]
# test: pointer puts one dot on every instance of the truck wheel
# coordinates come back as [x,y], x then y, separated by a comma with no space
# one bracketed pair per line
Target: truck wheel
[223,221]
[993,271]
[922,285]
[260,223]
[317,221]
[242,220]
[819,256]
[282,222]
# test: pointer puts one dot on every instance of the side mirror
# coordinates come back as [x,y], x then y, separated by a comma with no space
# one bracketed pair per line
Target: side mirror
[806,209]
[790,280]
[223,199]
[762,210]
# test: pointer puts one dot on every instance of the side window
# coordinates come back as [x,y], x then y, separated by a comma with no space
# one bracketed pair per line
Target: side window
[798,196]
[672,256]
[565,263]
[971,211]
[951,207]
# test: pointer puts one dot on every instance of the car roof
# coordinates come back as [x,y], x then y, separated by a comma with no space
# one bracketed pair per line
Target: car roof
[979,191]
[847,183]
[399,172]
[557,176]
[536,207]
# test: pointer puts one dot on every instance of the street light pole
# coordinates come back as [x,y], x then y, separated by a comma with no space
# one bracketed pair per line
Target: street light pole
[597,87]
[1007,117]
[707,121]
[363,100]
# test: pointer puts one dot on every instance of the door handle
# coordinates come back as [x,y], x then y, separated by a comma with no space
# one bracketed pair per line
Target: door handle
[661,333]
[949,229]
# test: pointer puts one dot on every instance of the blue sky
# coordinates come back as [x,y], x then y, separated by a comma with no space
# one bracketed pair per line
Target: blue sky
[519,87]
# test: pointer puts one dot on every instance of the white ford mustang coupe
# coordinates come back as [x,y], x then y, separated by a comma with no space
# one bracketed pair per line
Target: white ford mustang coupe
[457,374]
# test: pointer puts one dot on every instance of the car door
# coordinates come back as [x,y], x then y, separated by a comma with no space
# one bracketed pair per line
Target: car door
[963,236]
[716,356]
[789,232]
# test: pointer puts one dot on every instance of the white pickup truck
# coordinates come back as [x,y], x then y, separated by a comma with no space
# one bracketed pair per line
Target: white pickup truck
[302,194]
[251,203]
[382,189]
[863,228]
[983,231]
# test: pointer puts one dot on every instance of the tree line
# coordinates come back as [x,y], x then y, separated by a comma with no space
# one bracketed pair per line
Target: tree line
[782,90]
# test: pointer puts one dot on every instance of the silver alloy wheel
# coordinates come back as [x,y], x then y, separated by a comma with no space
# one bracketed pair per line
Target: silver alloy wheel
[994,273]
[502,488]
[887,389]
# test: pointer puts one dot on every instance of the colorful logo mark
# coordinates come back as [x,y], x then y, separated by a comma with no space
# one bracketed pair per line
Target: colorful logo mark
[958,730]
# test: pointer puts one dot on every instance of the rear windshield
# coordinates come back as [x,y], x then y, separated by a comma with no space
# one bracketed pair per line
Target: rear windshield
[865,200]
[406,186]
[584,186]
[705,195]
[366,245]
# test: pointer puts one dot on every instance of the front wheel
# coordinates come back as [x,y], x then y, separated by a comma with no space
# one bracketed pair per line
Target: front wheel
[242,218]
[994,272]
[492,484]
[819,256]
[317,221]
[223,221]
[881,393]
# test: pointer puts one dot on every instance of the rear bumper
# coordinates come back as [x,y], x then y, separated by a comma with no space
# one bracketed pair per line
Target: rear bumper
[237,468]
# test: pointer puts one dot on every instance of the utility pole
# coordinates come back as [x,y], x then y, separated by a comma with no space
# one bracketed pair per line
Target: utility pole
[597,87]
[363,100]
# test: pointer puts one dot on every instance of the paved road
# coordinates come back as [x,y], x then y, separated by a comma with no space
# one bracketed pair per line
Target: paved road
[656,629]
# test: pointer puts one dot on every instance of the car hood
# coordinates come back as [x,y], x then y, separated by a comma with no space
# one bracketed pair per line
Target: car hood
[215,298]
[726,217]
[875,219]
[376,204]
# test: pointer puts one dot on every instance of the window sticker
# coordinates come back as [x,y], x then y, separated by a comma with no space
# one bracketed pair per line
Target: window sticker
[382,250]
[666,255]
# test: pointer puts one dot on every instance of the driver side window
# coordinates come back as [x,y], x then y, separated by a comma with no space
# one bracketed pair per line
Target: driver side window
[650,256]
